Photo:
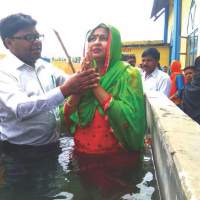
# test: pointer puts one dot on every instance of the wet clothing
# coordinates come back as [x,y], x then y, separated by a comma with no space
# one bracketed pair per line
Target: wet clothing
[28,102]
[111,173]
[122,124]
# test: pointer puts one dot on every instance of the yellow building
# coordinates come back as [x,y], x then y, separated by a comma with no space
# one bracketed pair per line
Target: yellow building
[137,48]
[182,28]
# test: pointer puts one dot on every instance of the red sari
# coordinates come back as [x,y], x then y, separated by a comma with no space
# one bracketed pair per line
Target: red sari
[177,82]
[97,137]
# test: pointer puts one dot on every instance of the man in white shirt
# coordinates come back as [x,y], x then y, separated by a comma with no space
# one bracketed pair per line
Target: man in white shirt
[31,91]
[152,77]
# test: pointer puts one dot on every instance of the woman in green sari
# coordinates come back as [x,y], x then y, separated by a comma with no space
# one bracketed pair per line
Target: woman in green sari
[108,122]
[110,117]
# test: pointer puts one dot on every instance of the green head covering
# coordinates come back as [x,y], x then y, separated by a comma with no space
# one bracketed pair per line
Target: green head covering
[126,112]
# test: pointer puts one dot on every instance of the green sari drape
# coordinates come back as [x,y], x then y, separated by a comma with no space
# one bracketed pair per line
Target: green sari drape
[126,112]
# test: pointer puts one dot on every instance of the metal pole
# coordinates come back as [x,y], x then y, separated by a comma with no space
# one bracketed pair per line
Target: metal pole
[65,50]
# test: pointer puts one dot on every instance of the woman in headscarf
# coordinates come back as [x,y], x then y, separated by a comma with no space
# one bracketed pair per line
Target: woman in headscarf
[177,83]
[110,117]
[108,122]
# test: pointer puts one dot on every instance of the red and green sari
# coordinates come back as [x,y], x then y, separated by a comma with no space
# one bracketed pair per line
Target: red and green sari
[122,124]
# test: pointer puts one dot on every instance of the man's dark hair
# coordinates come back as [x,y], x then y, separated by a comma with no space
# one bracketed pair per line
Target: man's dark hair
[14,23]
[152,52]
[189,67]
[126,57]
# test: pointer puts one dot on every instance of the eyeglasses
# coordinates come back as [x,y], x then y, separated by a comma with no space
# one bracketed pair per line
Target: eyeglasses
[29,37]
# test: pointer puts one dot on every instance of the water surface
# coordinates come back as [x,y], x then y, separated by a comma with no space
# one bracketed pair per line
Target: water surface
[59,174]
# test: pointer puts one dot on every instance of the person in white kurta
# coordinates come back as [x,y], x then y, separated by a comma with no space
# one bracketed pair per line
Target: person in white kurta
[152,77]
[31,90]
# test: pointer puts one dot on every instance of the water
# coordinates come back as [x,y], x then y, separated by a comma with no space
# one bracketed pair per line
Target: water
[61,175]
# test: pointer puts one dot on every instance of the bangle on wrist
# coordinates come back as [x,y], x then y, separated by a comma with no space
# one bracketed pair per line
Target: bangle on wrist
[69,105]
[69,102]
[106,103]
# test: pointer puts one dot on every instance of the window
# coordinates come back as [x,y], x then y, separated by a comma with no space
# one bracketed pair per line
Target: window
[192,32]
[192,47]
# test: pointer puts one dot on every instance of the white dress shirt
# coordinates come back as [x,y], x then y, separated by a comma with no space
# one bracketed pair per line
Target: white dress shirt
[29,101]
[157,81]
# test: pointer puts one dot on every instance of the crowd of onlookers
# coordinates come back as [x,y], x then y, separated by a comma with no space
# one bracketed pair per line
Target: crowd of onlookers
[180,84]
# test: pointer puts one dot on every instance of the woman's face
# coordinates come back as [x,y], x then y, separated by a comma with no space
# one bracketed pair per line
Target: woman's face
[97,43]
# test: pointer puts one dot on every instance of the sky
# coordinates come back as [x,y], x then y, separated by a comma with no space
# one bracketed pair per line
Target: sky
[73,18]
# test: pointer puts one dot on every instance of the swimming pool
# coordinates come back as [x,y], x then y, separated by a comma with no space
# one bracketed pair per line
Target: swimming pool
[57,174]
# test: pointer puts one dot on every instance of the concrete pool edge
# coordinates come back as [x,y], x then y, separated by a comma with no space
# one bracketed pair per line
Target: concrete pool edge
[176,139]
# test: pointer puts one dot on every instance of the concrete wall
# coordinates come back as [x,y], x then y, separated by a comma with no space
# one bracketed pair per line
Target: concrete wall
[176,147]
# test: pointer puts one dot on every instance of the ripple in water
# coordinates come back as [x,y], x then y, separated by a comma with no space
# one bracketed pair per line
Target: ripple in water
[145,191]
[63,196]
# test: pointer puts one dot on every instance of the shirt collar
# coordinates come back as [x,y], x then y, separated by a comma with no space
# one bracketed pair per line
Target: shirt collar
[153,74]
[11,58]
[14,62]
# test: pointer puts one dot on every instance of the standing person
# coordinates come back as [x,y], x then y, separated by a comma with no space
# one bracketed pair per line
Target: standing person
[153,78]
[177,83]
[164,69]
[108,122]
[191,98]
[31,91]
[132,60]
[189,72]
[117,101]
